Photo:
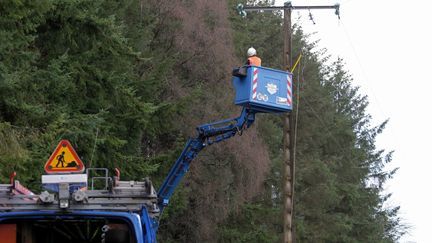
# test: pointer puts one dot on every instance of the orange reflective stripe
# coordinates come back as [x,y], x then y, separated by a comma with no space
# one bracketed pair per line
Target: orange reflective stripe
[256,61]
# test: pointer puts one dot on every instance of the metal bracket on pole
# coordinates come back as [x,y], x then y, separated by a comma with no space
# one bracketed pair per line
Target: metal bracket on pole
[242,10]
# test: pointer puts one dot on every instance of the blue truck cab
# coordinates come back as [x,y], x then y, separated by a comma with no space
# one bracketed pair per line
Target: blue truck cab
[88,206]
[74,226]
[73,211]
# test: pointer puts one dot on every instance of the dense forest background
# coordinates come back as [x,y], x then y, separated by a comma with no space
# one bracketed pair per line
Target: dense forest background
[127,82]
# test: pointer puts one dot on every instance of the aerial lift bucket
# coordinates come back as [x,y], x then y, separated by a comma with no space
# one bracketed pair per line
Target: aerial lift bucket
[263,89]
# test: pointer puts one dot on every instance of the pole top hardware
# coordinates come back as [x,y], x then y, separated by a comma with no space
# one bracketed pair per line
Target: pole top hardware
[337,11]
[242,10]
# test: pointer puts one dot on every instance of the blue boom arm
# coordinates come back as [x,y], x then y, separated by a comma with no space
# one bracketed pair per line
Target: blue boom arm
[208,134]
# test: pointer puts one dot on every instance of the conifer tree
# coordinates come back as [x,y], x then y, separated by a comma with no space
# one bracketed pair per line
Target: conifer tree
[68,72]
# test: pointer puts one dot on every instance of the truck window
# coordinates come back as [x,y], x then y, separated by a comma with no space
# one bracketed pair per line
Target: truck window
[60,230]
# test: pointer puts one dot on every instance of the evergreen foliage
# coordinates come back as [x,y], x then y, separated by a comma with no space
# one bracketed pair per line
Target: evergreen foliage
[68,72]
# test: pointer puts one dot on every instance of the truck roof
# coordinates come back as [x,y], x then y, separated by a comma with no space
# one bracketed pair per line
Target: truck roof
[115,195]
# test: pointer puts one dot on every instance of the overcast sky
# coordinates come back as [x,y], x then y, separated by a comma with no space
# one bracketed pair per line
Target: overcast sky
[387,46]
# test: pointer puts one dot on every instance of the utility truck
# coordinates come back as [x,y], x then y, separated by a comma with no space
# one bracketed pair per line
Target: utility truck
[81,205]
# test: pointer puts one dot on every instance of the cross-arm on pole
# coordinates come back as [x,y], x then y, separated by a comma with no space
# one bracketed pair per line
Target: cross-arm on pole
[242,10]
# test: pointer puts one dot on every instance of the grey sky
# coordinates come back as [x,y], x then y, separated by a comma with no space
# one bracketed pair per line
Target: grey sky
[387,47]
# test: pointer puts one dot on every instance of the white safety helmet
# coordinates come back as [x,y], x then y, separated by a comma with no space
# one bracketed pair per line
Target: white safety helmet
[251,52]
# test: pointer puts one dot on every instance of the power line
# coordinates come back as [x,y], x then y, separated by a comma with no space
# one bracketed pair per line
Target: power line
[362,68]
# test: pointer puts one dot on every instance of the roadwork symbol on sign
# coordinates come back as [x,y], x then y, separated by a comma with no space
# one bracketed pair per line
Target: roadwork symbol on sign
[64,159]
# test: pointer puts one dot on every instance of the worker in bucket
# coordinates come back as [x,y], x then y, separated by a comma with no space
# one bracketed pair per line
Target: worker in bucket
[252,57]
[252,60]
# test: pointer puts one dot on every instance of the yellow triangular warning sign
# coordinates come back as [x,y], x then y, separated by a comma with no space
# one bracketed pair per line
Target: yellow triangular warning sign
[64,159]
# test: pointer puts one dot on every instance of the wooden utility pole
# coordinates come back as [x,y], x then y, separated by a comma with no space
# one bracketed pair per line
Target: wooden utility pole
[288,165]
[288,129]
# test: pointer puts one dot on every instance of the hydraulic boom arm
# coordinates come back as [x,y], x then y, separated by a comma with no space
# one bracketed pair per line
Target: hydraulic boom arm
[208,134]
